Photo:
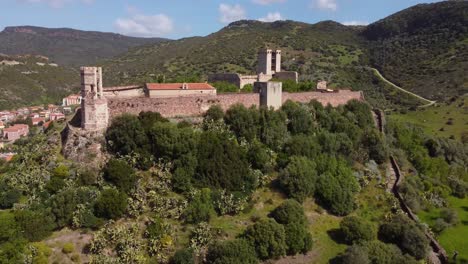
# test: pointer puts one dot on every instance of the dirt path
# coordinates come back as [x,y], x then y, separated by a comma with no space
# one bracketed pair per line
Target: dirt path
[429,102]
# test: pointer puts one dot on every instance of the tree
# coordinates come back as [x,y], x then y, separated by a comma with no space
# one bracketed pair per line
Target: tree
[126,135]
[408,236]
[268,239]
[336,185]
[8,197]
[200,209]
[300,120]
[298,178]
[183,256]
[35,225]
[273,130]
[148,119]
[111,204]
[222,163]
[355,229]
[291,215]
[120,174]
[63,205]
[260,157]
[302,145]
[375,144]
[242,121]
[374,252]
[214,113]
[170,142]
[231,252]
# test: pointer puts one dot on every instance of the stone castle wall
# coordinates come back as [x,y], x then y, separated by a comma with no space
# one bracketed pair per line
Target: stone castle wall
[197,105]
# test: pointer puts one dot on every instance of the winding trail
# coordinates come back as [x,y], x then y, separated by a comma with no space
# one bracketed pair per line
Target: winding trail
[376,72]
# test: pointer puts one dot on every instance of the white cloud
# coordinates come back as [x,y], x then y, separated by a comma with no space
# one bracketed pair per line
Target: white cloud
[272,17]
[355,23]
[145,26]
[267,2]
[228,13]
[326,4]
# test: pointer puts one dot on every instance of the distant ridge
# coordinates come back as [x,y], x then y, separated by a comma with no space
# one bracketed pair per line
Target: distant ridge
[68,46]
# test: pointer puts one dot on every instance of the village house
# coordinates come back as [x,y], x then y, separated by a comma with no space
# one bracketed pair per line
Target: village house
[45,114]
[56,116]
[158,90]
[34,115]
[74,99]
[7,116]
[52,108]
[37,121]
[15,132]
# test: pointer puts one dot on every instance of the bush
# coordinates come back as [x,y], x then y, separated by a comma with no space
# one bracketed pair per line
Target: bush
[35,225]
[374,252]
[183,256]
[8,198]
[403,232]
[111,204]
[126,135]
[291,214]
[68,248]
[214,113]
[268,238]
[231,252]
[298,179]
[242,121]
[120,174]
[200,208]
[155,230]
[55,184]
[355,229]
[450,216]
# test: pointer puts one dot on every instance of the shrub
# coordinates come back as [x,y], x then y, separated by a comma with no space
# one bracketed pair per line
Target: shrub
[126,135]
[183,256]
[200,208]
[374,252]
[35,225]
[242,121]
[404,233]
[268,238]
[230,252]
[120,174]
[111,204]
[55,184]
[214,113]
[68,248]
[356,229]
[450,216]
[298,178]
[8,198]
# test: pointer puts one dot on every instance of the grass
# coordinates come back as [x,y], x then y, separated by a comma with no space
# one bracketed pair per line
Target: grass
[435,120]
[453,238]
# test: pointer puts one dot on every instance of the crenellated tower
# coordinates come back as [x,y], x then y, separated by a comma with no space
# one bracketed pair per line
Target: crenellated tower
[94,111]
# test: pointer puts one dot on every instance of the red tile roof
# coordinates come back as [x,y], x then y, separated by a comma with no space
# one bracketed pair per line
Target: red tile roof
[179,86]
[16,128]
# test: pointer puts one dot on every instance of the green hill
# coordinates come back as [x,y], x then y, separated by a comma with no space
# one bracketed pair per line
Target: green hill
[26,80]
[424,48]
[67,46]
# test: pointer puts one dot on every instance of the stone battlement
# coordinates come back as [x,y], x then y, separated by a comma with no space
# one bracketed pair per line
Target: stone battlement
[189,106]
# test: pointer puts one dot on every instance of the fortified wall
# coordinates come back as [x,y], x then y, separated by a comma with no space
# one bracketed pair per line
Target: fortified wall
[197,105]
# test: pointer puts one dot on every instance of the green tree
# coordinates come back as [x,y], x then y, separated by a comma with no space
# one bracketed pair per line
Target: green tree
[148,119]
[111,204]
[298,178]
[183,256]
[214,113]
[268,238]
[222,163]
[126,135]
[300,120]
[35,225]
[200,208]
[273,130]
[242,121]
[231,252]
[120,174]
[355,229]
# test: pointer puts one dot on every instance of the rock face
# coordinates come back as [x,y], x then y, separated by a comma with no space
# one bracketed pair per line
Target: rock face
[83,146]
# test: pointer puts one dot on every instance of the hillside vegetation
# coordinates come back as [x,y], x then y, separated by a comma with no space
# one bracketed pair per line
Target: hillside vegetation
[33,80]
[67,46]
[424,49]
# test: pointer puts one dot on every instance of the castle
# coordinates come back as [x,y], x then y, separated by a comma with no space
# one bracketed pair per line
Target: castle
[175,100]
[268,67]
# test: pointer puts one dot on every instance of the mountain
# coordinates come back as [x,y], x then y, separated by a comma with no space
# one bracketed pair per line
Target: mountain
[67,46]
[306,48]
[424,48]
[26,80]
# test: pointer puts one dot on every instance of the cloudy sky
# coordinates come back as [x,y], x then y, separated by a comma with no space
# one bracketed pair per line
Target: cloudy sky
[183,18]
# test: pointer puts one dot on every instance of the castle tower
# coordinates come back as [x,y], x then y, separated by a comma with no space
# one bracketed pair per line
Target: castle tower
[265,62]
[277,64]
[270,94]
[94,111]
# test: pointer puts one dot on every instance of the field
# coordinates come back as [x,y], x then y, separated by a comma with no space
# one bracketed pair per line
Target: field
[443,120]
[453,238]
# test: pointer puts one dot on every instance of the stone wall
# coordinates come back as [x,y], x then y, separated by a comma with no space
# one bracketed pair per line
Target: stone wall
[197,105]
[233,78]
[125,91]
[287,75]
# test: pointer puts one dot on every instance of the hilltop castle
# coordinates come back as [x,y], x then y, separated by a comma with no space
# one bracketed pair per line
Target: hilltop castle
[174,100]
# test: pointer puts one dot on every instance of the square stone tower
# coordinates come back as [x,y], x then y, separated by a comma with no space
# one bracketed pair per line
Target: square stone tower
[269,62]
[270,94]
[94,111]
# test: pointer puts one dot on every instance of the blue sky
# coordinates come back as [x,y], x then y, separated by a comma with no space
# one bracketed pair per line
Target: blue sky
[183,18]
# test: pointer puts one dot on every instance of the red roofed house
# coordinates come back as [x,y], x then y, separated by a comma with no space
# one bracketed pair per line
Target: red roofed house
[74,99]
[15,132]
[155,90]
[56,116]
[37,120]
